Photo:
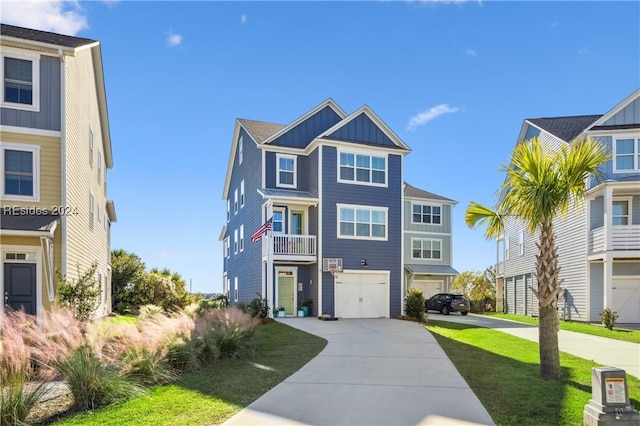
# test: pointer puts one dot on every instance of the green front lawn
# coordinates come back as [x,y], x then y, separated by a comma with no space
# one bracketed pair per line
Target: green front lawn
[503,371]
[579,327]
[216,393]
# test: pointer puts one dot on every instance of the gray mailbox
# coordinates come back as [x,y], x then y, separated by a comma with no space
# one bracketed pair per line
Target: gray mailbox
[609,404]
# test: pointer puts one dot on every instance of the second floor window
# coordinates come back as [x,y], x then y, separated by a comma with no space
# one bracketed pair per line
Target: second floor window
[227,248]
[21,81]
[428,214]
[362,169]
[91,210]
[99,166]
[620,213]
[20,172]
[521,243]
[627,155]
[91,148]
[426,249]
[362,222]
[242,194]
[235,241]
[286,171]
[241,238]
[235,201]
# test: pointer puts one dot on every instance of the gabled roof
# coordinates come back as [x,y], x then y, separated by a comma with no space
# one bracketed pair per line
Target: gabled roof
[598,124]
[413,192]
[565,128]
[260,130]
[43,36]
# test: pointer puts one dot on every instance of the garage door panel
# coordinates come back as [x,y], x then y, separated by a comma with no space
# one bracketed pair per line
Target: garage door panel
[428,288]
[626,300]
[362,295]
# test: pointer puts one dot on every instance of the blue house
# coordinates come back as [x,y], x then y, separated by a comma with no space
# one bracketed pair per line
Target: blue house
[323,199]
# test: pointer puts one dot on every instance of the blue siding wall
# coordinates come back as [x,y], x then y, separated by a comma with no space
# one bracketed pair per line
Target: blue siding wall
[362,129]
[380,255]
[607,168]
[531,132]
[312,172]
[628,115]
[48,118]
[301,135]
[246,265]
[302,170]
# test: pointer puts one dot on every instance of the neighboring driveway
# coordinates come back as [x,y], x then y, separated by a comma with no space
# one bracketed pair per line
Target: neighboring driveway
[372,372]
[606,352]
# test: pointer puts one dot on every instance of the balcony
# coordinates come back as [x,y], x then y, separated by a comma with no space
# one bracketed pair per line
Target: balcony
[623,237]
[292,248]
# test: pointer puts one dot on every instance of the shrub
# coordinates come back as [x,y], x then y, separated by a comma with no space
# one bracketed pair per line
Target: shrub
[258,307]
[608,318]
[230,329]
[242,307]
[414,304]
[81,295]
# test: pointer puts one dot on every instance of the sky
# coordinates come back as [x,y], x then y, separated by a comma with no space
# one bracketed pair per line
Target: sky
[453,79]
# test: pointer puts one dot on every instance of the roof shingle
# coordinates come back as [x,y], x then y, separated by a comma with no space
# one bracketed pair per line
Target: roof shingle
[43,36]
[260,130]
[565,128]
[413,192]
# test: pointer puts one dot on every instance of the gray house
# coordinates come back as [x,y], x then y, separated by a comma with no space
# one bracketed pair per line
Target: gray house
[315,211]
[598,242]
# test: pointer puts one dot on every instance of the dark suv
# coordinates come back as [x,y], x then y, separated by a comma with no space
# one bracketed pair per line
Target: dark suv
[448,302]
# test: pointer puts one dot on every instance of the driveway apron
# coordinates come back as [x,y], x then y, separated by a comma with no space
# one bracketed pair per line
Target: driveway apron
[372,372]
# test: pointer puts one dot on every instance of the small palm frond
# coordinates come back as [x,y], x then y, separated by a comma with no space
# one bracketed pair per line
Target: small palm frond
[581,160]
[477,214]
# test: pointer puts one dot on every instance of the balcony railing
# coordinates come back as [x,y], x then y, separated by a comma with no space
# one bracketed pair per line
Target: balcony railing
[293,247]
[623,237]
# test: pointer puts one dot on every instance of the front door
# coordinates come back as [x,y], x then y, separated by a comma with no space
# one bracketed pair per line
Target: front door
[286,292]
[20,286]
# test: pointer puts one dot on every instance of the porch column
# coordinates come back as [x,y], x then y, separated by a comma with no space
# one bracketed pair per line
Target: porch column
[608,221]
[607,279]
[269,272]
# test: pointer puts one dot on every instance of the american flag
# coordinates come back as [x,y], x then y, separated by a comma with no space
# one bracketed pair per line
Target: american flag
[256,236]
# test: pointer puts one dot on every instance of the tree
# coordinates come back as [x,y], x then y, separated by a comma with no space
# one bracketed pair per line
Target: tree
[126,268]
[483,293]
[81,295]
[542,185]
[463,282]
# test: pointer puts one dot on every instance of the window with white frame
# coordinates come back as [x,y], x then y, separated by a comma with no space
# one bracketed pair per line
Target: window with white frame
[362,222]
[627,155]
[235,289]
[425,248]
[621,209]
[286,177]
[426,213]
[241,238]
[91,148]
[507,249]
[362,169]
[242,193]
[99,214]
[21,79]
[99,166]
[228,210]
[240,150]
[521,243]
[228,288]
[277,221]
[235,241]
[91,210]
[235,201]
[20,171]
[227,248]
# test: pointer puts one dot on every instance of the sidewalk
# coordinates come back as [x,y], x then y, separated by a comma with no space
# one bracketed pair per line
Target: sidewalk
[606,352]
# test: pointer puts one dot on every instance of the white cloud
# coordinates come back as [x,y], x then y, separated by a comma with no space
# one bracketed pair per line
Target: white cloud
[173,39]
[471,52]
[161,253]
[243,18]
[428,115]
[64,17]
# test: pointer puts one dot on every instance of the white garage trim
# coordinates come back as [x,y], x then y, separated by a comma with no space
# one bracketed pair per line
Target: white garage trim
[362,294]
[626,299]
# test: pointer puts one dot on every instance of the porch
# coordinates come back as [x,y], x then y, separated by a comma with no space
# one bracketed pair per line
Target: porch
[290,248]
[622,237]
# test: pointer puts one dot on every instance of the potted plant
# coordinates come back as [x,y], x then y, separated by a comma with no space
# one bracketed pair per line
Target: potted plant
[301,312]
[281,312]
[306,305]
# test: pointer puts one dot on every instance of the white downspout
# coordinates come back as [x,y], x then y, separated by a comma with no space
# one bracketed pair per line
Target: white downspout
[63,161]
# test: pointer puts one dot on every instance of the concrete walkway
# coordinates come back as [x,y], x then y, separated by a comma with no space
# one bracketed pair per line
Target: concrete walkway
[606,352]
[372,372]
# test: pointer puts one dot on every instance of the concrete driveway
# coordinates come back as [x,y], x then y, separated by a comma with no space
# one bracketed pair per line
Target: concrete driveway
[372,372]
[606,352]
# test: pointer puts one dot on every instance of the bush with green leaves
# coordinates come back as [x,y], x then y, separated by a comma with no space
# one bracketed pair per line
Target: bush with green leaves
[609,317]
[81,295]
[414,304]
[258,307]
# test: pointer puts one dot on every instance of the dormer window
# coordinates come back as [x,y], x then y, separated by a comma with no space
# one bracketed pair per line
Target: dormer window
[286,171]
[21,80]
[626,155]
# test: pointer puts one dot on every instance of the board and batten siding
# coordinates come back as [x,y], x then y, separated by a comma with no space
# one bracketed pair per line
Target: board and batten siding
[302,134]
[48,117]
[362,129]
[380,255]
[84,245]
[628,115]
[246,265]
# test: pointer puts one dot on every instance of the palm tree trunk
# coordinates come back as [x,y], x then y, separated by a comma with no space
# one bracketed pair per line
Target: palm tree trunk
[548,289]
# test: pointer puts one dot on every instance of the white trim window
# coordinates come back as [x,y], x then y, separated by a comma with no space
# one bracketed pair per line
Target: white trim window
[426,249]
[362,169]
[235,241]
[242,194]
[91,148]
[20,165]
[20,80]
[507,249]
[228,210]
[621,210]
[235,201]
[286,171]
[99,166]
[99,214]
[626,153]
[521,243]
[241,238]
[91,210]
[240,150]
[429,214]
[227,247]
[277,221]
[362,222]
[235,289]
[105,181]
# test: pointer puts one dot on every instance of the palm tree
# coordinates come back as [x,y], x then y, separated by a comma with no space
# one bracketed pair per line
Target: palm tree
[542,184]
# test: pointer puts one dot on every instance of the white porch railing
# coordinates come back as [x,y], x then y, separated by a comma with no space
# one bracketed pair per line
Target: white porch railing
[623,237]
[284,245]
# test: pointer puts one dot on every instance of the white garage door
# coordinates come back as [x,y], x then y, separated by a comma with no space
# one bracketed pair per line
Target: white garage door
[626,300]
[429,288]
[362,295]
